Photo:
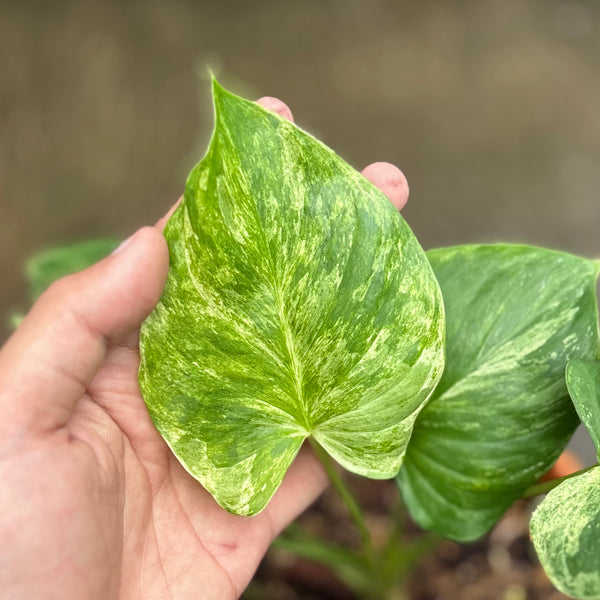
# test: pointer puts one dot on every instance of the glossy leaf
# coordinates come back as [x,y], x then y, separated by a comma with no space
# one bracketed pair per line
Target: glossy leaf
[565,530]
[500,415]
[583,383]
[298,304]
[48,266]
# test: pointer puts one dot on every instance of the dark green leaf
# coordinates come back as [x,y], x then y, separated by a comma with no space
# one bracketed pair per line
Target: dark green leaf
[583,383]
[298,303]
[565,530]
[501,414]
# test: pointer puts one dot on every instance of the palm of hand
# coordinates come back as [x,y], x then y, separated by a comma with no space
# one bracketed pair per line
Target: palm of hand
[176,542]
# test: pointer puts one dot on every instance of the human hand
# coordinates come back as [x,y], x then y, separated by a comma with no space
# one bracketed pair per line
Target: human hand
[93,504]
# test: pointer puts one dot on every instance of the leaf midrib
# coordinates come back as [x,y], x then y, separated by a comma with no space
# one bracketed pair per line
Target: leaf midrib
[297,368]
[296,364]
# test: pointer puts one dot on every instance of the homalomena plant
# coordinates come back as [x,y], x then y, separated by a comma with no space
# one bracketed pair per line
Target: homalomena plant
[300,305]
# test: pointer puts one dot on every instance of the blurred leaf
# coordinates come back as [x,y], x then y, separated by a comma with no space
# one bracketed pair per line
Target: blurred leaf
[565,530]
[45,268]
[15,319]
[298,304]
[48,266]
[350,569]
[501,414]
[583,383]
[390,570]
[402,554]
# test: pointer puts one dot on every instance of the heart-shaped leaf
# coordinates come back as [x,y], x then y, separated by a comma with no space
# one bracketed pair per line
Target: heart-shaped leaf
[501,414]
[298,304]
[565,530]
[583,383]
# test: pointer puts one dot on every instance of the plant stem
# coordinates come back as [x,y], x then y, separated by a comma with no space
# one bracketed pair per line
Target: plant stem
[546,486]
[349,500]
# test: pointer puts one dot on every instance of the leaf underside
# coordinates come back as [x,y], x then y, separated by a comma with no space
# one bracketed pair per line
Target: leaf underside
[500,415]
[298,304]
[565,530]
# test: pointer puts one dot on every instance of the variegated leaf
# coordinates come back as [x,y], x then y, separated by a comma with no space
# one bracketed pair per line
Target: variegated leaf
[298,304]
[565,530]
[500,415]
[583,383]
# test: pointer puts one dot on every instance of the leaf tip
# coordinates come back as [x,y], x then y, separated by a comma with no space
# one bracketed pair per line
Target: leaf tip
[223,98]
[216,86]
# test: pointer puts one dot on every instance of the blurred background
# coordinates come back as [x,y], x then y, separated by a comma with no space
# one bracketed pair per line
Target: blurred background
[491,109]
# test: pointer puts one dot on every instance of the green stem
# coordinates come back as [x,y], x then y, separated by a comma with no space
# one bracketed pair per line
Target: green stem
[547,486]
[349,500]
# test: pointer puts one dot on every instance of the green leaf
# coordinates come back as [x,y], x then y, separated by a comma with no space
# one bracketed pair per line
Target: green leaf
[45,268]
[500,415]
[298,304]
[565,530]
[583,383]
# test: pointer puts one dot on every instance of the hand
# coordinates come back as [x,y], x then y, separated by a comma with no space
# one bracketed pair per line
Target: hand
[92,502]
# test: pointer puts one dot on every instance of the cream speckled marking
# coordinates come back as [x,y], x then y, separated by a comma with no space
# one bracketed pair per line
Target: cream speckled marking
[298,303]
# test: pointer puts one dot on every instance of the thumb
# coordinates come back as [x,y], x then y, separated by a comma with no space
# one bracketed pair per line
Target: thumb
[52,357]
